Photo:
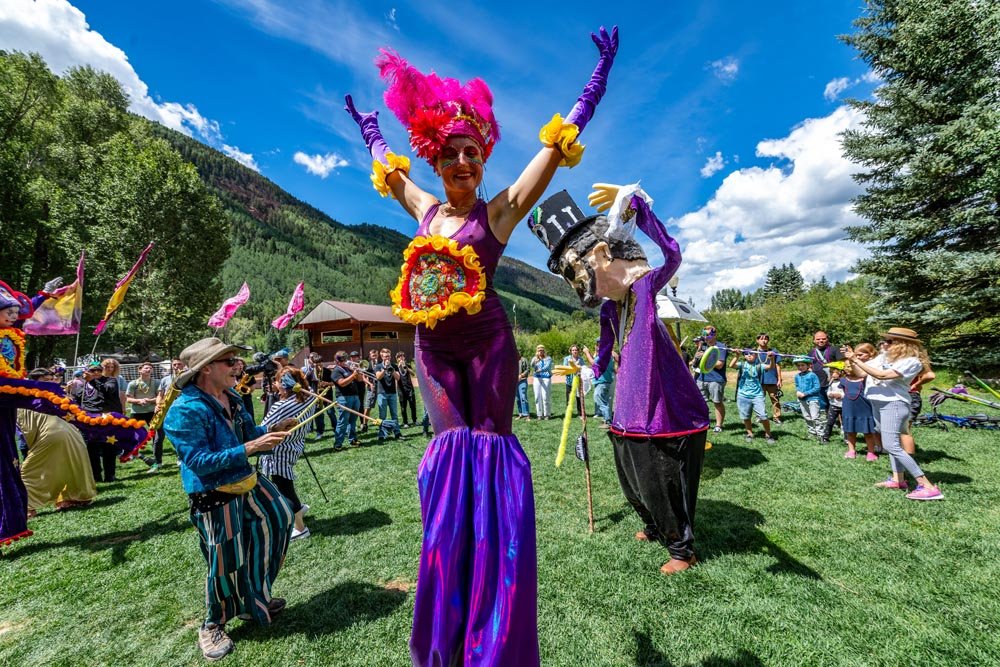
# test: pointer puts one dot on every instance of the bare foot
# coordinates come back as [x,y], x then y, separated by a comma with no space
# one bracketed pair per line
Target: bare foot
[641,536]
[675,565]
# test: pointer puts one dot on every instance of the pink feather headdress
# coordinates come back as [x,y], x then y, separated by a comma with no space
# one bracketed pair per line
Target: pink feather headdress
[433,109]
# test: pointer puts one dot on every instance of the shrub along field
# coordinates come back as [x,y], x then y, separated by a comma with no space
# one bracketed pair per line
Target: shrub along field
[803,563]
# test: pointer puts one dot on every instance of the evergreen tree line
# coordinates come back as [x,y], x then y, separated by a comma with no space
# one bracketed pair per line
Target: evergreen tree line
[782,282]
[841,310]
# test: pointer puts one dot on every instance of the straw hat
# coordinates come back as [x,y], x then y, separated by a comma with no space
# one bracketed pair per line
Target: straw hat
[198,355]
[901,333]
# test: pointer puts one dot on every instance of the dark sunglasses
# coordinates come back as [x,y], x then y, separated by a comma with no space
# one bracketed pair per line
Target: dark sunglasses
[229,361]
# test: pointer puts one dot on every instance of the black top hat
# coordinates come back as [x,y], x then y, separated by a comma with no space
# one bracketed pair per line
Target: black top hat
[555,221]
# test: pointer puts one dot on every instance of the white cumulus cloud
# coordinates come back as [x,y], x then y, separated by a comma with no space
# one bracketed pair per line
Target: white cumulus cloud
[59,32]
[726,69]
[246,159]
[836,87]
[319,165]
[713,165]
[792,210]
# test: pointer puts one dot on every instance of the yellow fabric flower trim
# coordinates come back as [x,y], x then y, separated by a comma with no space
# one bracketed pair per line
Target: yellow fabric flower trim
[380,172]
[563,136]
[437,279]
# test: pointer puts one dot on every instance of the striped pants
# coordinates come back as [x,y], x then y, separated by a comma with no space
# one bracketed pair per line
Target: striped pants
[244,544]
[891,419]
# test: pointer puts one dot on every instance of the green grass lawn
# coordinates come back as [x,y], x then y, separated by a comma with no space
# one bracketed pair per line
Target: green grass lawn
[803,563]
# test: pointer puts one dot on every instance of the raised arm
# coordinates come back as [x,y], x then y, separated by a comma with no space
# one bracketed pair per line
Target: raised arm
[390,172]
[560,145]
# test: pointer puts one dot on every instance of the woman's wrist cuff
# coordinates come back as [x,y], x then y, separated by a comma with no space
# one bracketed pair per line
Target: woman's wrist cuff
[381,171]
[562,136]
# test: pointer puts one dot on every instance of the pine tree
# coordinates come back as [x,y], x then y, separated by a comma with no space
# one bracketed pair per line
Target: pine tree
[784,282]
[930,149]
[821,285]
[729,298]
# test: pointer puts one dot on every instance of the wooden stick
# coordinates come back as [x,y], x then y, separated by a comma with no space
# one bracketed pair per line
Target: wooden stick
[586,460]
[299,389]
[310,418]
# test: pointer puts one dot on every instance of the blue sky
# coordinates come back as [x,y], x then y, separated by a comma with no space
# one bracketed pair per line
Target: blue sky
[727,111]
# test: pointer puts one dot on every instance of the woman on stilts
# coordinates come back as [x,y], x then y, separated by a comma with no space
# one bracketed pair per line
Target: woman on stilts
[476,587]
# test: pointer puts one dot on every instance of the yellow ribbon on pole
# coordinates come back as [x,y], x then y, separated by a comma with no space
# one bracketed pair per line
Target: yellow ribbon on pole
[567,420]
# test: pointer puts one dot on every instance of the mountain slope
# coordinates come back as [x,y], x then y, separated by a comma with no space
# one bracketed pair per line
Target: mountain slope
[277,240]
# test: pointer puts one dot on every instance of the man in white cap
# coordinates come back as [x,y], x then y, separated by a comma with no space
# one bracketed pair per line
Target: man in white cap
[243,522]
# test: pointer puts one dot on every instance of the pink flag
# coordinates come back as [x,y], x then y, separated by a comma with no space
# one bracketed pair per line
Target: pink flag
[60,313]
[294,307]
[229,308]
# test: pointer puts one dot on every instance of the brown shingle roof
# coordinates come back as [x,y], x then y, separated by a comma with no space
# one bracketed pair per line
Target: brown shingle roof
[327,311]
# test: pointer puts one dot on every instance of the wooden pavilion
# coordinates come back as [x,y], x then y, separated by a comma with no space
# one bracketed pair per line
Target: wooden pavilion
[339,325]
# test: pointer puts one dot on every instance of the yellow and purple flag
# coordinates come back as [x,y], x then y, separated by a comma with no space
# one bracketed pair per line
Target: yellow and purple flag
[59,314]
[120,290]
[295,306]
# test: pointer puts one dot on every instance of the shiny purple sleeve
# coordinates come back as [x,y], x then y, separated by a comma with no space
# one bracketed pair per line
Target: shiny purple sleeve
[651,226]
[609,323]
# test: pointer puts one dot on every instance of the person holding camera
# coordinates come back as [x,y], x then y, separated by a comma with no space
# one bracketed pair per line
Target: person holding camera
[345,378]
[243,522]
[407,395]
[386,384]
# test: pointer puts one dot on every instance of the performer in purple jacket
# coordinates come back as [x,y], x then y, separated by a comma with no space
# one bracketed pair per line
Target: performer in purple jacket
[476,588]
[659,427]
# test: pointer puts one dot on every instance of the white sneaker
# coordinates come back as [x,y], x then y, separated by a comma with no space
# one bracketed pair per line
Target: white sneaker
[300,534]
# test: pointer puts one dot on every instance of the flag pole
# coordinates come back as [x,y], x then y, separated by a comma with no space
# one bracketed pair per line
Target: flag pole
[76,350]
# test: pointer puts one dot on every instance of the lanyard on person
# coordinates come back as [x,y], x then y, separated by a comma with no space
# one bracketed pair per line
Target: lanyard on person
[622,320]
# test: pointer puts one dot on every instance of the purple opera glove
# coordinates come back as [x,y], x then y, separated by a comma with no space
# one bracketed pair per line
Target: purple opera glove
[370,132]
[583,110]
[384,161]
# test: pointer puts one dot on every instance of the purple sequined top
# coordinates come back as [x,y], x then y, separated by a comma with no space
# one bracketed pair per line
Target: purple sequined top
[457,331]
[655,396]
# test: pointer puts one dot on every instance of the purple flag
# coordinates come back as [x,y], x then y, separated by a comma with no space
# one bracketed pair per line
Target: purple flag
[229,308]
[59,314]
